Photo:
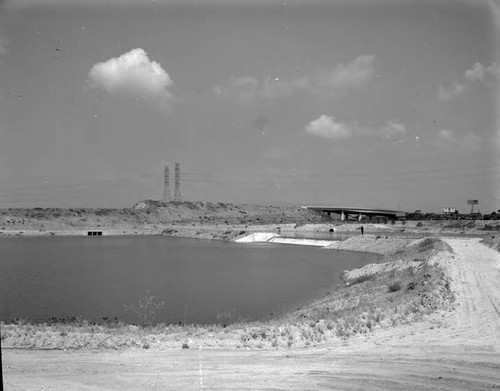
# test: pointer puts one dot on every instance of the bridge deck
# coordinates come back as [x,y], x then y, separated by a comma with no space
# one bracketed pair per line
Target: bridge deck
[358,211]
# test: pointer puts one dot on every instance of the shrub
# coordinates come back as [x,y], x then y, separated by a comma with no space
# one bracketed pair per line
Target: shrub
[426,244]
[146,309]
[395,286]
[224,317]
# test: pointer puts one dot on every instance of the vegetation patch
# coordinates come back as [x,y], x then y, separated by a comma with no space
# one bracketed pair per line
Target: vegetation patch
[490,227]
[492,241]
[460,225]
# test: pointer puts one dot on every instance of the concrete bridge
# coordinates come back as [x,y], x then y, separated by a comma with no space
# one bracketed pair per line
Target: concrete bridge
[360,212]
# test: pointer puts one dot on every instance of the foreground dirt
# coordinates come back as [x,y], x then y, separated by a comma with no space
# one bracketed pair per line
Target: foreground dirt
[453,350]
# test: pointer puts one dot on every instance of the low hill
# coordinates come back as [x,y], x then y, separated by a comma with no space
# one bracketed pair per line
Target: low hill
[152,213]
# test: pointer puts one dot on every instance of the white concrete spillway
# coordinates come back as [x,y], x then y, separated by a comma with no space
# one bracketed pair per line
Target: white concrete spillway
[257,237]
[302,242]
[269,237]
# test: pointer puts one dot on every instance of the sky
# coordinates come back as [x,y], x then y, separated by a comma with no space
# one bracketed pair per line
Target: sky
[389,104]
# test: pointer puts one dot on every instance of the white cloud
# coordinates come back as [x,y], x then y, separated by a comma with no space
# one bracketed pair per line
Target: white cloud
[328,127]
[132,73]
[480,73]
[446,139]
[344,76]
[477,74]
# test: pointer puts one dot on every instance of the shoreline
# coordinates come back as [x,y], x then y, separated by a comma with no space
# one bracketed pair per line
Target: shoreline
[425,319]
[237,231]
[388,250]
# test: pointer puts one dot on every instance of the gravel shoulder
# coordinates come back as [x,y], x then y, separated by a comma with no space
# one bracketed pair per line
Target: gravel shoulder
[453,349]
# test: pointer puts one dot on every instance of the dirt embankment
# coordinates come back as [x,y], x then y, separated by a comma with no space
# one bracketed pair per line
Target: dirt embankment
[356,339]
[152,217]
[378,244]
[385,295]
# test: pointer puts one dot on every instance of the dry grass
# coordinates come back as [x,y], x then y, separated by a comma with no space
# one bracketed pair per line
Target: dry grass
[358,309]
[492,241]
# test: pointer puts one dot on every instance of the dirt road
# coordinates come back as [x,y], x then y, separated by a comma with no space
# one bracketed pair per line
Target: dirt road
[457,350]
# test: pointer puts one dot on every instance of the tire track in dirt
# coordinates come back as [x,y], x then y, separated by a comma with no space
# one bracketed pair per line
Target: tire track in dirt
[477,289]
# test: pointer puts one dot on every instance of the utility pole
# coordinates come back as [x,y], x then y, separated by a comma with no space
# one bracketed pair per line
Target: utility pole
[167,196]
[177,189]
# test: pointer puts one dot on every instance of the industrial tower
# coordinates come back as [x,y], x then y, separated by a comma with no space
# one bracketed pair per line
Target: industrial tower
[167,195]
[177,189]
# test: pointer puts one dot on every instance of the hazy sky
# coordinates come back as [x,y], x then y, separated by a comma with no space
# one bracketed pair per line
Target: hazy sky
[355,103]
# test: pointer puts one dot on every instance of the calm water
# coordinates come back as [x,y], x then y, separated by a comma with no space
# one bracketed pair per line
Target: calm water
[95,277]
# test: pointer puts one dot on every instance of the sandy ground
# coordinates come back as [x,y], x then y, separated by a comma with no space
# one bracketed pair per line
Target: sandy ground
[457,350]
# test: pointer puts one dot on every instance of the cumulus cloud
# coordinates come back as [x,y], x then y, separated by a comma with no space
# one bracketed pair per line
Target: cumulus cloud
[341,78]
[480,73]
[446,139]
[133,73]
[330,128]
[477,74]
